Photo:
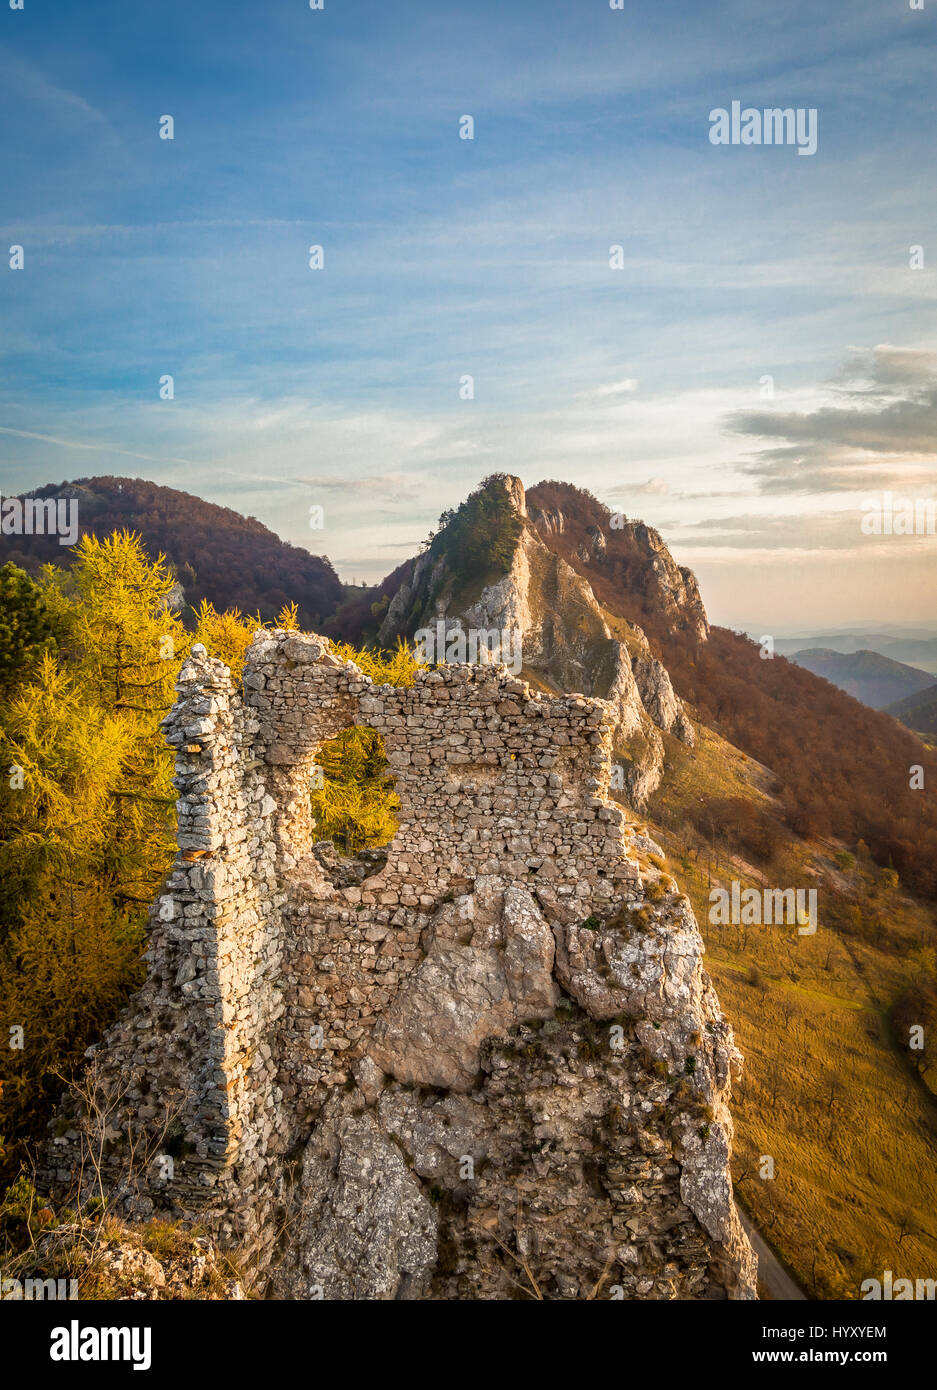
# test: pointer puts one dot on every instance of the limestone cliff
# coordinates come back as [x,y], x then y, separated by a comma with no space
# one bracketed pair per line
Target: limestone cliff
[626,561]
[490,1065]
[566,636]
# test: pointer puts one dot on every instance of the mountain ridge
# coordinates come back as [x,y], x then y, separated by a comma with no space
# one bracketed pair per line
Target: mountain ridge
[216,552]
[917,647]
[619,584]
[917,711]
[570,642]
[874,679]
[614,615]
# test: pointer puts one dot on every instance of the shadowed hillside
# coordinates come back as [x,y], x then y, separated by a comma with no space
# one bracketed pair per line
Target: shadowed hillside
[874,679]
[841,768]
[231,560]
[918,712]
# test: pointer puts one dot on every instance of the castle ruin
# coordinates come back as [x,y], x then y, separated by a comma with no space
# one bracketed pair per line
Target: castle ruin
[490,1065]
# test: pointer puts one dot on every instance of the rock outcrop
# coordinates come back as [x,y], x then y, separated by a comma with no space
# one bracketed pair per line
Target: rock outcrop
[564,634]
[654,578]
[670,587]
[366,1229]
[491,1067]
[485,970]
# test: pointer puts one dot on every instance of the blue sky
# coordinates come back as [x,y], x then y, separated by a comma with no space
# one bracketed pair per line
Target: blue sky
[489,257]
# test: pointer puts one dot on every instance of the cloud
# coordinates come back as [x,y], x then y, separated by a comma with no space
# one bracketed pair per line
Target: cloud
[385,484]
[93,448]
[616,388]
[886,366]
[749,530]
[68,111]
[879,429]
[834,533]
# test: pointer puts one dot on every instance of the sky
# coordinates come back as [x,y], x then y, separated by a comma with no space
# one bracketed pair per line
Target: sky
[756,370]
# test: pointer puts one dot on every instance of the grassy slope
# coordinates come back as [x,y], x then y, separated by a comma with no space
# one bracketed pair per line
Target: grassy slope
[825,1089]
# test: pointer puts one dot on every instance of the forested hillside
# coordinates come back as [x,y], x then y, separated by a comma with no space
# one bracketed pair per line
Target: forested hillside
[89,656]
[214,552]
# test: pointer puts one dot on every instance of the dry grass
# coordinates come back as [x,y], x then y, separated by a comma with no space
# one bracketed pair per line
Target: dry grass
[100,1253]
[826,1092]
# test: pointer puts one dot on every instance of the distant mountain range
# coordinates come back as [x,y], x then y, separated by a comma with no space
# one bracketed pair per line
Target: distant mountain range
[874,679]
[916,647]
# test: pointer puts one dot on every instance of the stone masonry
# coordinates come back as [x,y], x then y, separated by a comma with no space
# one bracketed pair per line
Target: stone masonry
[376,1085]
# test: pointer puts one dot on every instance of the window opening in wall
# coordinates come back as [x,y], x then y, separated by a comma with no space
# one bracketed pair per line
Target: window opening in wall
[356,805]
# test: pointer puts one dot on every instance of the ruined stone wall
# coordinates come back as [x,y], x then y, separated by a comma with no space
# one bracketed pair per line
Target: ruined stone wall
[492,780]
[187,1071]
[290,1028]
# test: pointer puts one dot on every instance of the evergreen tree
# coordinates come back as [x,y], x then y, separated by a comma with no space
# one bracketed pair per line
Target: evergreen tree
[26,627]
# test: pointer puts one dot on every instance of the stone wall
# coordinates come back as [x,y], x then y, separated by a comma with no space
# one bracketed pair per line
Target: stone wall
[294,1041]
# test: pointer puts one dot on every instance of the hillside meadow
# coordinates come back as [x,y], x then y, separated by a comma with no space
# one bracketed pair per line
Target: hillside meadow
[832,1100]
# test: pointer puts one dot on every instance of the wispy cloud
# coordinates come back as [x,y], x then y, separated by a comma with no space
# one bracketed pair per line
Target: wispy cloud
[385,485]
[617,388]
[95,448]
[488,257]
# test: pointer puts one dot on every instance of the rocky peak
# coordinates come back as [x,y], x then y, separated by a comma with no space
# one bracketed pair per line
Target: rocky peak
[596,547]
[671,587]
[631,570]
[558,623]
[515,490]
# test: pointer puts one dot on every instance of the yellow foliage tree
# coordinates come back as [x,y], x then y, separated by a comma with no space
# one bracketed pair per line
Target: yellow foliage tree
[88,814]
[88,807]
[356,805]
[397,667]
[227,636]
